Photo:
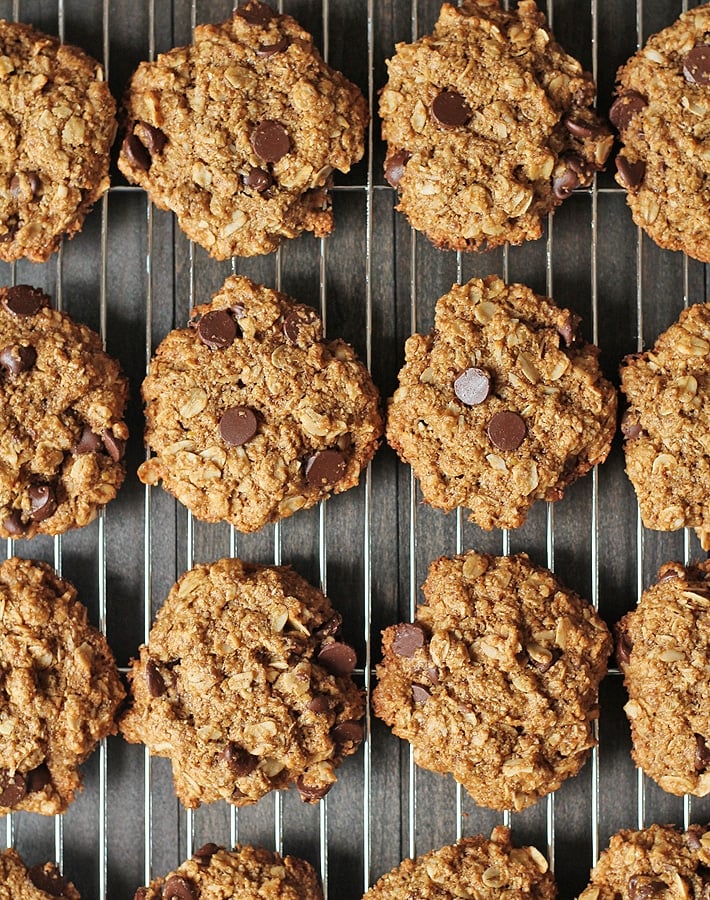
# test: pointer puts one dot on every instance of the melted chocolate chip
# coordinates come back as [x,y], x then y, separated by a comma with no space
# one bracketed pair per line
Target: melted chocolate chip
[38,779]
[338,658]
[394,167]
[472,386]
[217,329]
[17,358]
[238,425]
[271,49]
[669,571]
[408,638]
[419,693]
[270,141]
[255,13]
[329,628]
[298,319]
[115,447]
[702,753]
[623,648]
[136,153]
[13,789]
[696,65]
[153,138]
[311,793]
[506,430]
[177,887]
[43,502]
[88,442]
[568,329]
[23,300]
[240,762]
[319,704]
[205,853]
[258,179]
[153,679]
[630,174]
[450,110]
[13,524]
[48,879]
[641,887]
[347,733]
[624,108]
[325,468]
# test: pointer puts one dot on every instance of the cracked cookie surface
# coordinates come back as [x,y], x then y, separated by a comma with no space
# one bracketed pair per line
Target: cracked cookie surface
[239,133]
[489,126]
[663,649]
[245,686]
[501,404]
[252,415]
[496,679]
[472,867]
[662,113]
[60,689]
[667,425]
[40,882]
[62,433]
[57,124]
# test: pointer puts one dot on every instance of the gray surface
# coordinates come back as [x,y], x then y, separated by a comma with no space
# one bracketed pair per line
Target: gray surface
[132,274]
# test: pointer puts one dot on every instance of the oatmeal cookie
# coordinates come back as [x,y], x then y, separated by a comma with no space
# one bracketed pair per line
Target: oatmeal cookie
[252,415]
[60,688]
[40,882]
[489,126]
[501,404]
[472,867]
[496,679]
[663,649]
[667,425]
[245,686]
[245,873]
[62,434]
[659,861]
[662,113]
[57,122]
[238,134]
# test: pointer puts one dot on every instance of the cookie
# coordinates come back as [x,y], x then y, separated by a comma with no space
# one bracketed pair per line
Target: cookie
[496,679]
[472,867]
[239,133]
[502,404]
[40,882]
[662,112]
[663,649]
[667,425]
[659,861]
[243,874]
[60,688]
[57,124]
[245,686]
[489,126]
[62,434]
[252,415]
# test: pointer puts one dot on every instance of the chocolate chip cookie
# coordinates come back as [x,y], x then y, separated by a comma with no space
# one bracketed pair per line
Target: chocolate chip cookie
[472,867]
[667,425]
[246,686]
[40,882]
[60,688]
[252,415]
[62,434]
[662,113]
[502,404]
[659,861]
[489,126]
[496,679]
[663,648]
[57,124]
[243,873]
[240,132]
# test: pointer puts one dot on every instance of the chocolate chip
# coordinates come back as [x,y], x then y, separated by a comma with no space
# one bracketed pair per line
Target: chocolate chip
[13,789]
[270,141]
[472,386]
[205,853]
[17,358]
[630,174]
[13,524]
[154,679]
[702,753]
[271,49]
[641,887]
[238,425]
[38,779]
[696,65]
[544,665]
[255,13]
[692,840]
[338,658]
[581,129]
[623,648]
[419,693]
[9,235]
[115,447]
[568,329]
[450,110]
[433,674]
[394,166]
[408,638]
[43,502]
[23,300]
[217,329]
[241,763]
[258,179]
[325,468]
[329,628]
[347,733]
[177,887]
[311,793]
[297,319]
[136,153]
[15,186]
[506,430]
[47,878]
[564,184]
[319,704]
[33,181]
[631,430]
[153,138]
[625,107]
[89,442]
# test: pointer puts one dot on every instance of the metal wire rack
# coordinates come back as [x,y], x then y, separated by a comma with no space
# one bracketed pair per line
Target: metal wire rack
[131,273]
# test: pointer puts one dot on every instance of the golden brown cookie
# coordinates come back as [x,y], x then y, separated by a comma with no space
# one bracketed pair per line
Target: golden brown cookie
[240,132]
[502,404]
[252,415]
[662,113]
[40,882]
[57,124]
[60,688]
[245,686]
[496,679]
[62,433]
[489,126]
